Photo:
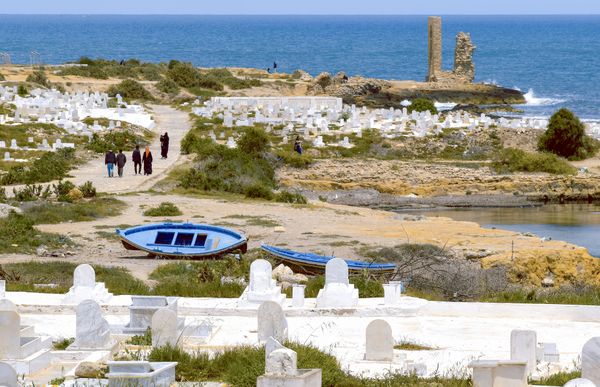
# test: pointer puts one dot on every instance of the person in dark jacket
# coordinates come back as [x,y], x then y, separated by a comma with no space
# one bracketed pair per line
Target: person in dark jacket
[136,157]
[121,160]
[298,145]
[110,160]
[164,145]
[147,160]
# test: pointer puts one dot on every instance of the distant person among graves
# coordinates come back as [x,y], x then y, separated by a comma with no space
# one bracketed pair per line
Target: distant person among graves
[147,160]
[269,70]
[298,145]
[164,145]
[110,160]
[136,157]
[274,67]
[121,160]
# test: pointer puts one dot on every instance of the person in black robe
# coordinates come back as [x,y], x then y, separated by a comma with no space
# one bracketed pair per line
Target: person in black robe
[164,145]
[147,160]
[136,157]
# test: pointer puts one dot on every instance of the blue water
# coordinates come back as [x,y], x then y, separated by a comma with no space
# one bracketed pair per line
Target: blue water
[575,223]
[556,56]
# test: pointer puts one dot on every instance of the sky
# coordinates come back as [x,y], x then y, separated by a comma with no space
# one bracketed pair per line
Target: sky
[302,7]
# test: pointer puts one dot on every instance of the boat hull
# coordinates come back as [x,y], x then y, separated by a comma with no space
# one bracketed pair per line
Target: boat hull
[313,264]
[185,240]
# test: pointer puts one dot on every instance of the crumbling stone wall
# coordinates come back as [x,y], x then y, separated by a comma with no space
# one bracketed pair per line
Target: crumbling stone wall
[464,68]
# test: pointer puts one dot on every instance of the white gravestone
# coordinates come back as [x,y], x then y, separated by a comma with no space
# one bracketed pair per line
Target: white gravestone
[164,328]
[281,369]
[2,289]
[338,292]
[272,322]
[298,295]
[8,375]
[590,360]
[10,336]
[523,344]
[91,329]
[392,293]
[580,382]
[85,287]
[282,361]
[379,341]
[262,286]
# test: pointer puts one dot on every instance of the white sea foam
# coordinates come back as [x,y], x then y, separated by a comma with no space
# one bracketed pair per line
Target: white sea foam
[533,100]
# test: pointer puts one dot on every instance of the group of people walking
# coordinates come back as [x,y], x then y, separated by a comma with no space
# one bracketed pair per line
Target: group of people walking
[139,158]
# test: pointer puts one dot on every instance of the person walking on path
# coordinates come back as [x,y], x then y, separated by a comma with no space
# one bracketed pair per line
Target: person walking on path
[147,160]
[164,145]
[110,160]
[121,160]
[136,157]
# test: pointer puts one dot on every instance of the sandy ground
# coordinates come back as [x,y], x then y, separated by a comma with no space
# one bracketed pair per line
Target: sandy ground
[318,227]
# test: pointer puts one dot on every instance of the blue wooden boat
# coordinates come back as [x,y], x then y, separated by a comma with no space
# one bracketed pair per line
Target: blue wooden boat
[314,264]
[183,240]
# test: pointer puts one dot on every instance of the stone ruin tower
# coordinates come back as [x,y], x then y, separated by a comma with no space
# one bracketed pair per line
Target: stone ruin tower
[464,68]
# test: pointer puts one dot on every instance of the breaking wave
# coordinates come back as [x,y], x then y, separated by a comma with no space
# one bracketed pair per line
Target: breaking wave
[533,100]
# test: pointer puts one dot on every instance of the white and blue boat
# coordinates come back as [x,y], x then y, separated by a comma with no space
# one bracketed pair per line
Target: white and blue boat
[183,240]
[315,264]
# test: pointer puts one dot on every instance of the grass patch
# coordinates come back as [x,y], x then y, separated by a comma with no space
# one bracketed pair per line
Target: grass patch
[24,275]
[558,379]
[241,366]
[145,339]
[130,89]
[18,235]
[201,279]
[408,346]
[255,220]
[82,211]
[164,209]
[51,166]
[578,294]
[62,344]
[517,160]
[111,236]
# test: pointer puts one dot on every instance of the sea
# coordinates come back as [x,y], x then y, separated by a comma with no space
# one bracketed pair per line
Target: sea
[553,59]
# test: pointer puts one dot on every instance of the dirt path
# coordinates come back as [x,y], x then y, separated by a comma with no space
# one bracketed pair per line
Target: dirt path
[168,119]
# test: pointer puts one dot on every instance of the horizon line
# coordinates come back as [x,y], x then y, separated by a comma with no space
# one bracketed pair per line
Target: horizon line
[290,14]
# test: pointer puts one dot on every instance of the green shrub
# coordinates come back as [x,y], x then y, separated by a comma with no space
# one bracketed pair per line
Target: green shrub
[164,209]
[2,77]
[257,191]
[254,141]
[167,85]
[183,74]
[558,379]
[17,235]
[22,90]
[222,169]
[39,77]
[62,189]
[289,197]
[517,160]
[88,190]
[83,211]
[62,344]
[421,105]
[130,89]
[566,137]
[51,166]
[115,140]
[145,339]
[31,192]
[294,159]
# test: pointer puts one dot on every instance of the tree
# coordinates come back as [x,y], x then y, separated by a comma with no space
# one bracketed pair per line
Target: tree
[565,136]
[421,105]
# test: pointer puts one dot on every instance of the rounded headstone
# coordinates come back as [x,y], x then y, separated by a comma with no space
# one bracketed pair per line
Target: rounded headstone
[8,375]
[580,382]
[164,328]
[336,271]
[84,275]
[590,360]
[271,322]
[10,335]
[379,341]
